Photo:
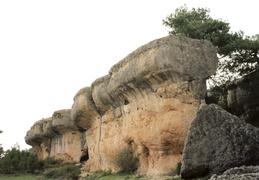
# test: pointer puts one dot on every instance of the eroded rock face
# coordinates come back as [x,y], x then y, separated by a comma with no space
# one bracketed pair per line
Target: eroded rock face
[146,102]
[217,141]
[57,137]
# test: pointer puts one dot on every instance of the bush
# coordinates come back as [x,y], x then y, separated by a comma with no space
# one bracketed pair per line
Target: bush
[16,161]
[98,174]
[125,161]
[63,171]
[178,168]
[23,162]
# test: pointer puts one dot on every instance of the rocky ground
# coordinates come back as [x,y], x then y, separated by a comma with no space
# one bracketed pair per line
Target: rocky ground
[240,173]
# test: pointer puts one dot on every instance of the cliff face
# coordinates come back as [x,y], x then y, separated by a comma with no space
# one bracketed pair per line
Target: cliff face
[147,103]
[57,137]
[243,98]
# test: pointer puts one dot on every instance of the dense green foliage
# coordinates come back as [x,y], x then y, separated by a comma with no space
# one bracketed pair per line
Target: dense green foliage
[19,162]
[125,161]
[1,148]
[16,161]
[239,54]
[22,177]
[217,95]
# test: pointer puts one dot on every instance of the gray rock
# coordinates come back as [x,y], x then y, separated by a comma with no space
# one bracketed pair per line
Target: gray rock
[175,58]
[83,110]
[40,131]
[48,128]
[218,141]
[62,122]
[240,173]
[243,98]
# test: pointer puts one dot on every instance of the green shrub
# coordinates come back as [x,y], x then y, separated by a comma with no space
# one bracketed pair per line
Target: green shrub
[98,174]
[63,171]
[16,161]
[125,161]
[178,168]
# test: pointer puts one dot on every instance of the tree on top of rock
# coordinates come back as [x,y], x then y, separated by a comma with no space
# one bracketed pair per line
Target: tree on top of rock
[239,54]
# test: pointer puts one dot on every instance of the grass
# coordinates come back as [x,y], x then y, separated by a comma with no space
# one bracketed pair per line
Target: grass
[118,177]
[25,177]
[123,176]
[107,175]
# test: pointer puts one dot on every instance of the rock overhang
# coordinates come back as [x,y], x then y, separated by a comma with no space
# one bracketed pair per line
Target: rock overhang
[47,128]
[175,58]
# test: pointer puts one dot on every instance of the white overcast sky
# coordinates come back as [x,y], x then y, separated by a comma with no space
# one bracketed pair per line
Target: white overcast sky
[49,49]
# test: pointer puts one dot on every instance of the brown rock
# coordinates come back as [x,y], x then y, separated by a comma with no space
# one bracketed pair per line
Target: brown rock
[57,137]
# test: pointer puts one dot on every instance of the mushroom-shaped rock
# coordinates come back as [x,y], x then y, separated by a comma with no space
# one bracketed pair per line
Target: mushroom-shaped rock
[39,132]
[170,58]
[62,121]
[83,110]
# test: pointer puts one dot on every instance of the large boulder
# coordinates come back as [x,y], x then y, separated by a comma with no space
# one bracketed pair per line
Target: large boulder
[217,141]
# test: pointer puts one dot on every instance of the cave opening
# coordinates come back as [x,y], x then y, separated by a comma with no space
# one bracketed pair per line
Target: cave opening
[145,151]
[126,102]
[84,158]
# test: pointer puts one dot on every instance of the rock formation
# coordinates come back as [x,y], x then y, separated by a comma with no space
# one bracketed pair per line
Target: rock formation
[217,141]
[57,137]
[146,103]
[240,173]
[243,98]
[239,97]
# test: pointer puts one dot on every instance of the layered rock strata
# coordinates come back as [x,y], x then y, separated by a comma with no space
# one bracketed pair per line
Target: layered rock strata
[146,103]
[57,137]
[217,141]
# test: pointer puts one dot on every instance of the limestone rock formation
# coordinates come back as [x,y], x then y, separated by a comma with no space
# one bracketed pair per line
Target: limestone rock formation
[218,141]
[240,173]
[146,103]
[57,137]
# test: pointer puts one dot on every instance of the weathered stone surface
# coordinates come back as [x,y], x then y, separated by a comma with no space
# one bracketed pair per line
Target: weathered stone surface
[146,102]
[239,173]
[156,131]
[57,137]
[171,58]
[218,141]
[83,110]
[243,98]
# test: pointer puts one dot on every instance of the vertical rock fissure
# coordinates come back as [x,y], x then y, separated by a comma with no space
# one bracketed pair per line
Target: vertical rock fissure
[99,142]
[83,141]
